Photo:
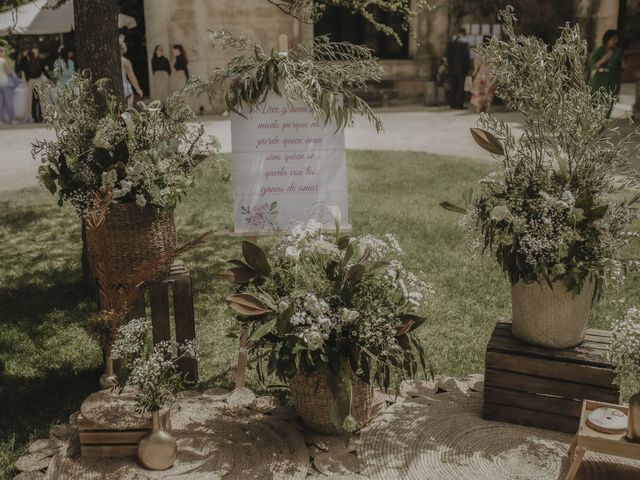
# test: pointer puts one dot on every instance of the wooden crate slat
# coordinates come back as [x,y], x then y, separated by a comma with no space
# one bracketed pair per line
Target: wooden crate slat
[159,296]
[591,343]
[109,450]
[559,370]
[185,322]
[533,402]
[548,386]
[578,355]
[523,416]
[112,437]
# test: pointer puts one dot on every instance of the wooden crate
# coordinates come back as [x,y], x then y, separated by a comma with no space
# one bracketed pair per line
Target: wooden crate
[98,440]
[544,387]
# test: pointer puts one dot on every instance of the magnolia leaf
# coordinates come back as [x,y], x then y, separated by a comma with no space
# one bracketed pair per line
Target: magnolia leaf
[255,257]
[237,263]
[348,253]
[453,208]
[247,305]
[343,242]
[487,141]
[598,212]
[262,330]
[356,272]
[408,323]
[121,152]
[377,267]
[238,275]
[103,158]
[283,324]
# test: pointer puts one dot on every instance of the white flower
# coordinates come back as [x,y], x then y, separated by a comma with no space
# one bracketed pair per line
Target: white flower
[313,339]
[292,252]
[348,316]
[501,212]
[334,210]
[140,200]
[99,140]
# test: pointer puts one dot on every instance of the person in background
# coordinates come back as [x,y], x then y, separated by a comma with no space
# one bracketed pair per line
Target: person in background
[67,65]
[129,79]
[35,72]
[180,66]
[606,64]
[459,61]
[22,64]
[7,85]
[161,69]
[484,86]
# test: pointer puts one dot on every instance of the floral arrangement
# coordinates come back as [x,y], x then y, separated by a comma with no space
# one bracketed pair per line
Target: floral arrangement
[146,154]
[562,201]
[153,372]
[343,306]
[625,350]
[117,296]
[322,74]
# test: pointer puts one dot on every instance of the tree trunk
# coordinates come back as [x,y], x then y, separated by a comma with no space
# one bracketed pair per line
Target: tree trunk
[98,50]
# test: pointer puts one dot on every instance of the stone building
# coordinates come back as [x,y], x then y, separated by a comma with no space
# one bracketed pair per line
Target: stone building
[409,70]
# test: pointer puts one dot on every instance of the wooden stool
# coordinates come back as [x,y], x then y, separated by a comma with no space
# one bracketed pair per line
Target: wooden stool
[545,387]
[180,282]
[589,439]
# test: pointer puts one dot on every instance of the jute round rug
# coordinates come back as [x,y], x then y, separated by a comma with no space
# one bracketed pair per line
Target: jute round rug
[443,437]
[432,432]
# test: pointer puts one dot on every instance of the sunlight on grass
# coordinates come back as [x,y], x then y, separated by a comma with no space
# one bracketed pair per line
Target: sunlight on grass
[48,363]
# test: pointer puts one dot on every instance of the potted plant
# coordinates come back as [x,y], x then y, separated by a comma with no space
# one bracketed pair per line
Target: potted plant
[146,157]
[154,376]
[560,206]
[331,316]
[625,354]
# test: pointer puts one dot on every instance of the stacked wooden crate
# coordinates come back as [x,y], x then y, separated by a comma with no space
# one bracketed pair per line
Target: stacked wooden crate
[544,387]
[110,425]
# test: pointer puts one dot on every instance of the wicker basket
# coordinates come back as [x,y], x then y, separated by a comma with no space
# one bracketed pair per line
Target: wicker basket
[314,402]
[137,235]
[551,317]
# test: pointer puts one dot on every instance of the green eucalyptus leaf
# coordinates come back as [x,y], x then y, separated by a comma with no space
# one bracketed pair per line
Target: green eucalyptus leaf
[262,330]
[453,208]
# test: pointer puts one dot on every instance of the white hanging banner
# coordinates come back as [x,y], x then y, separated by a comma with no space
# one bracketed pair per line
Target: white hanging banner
[288,167]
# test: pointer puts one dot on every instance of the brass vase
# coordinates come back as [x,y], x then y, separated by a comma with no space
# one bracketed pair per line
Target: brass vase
[158,449]
[108,379]
[633,430]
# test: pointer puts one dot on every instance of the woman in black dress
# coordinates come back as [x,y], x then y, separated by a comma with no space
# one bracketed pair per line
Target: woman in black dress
[161,72]
[180,66]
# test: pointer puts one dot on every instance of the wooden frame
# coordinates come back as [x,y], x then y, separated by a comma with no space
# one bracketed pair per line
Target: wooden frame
[589,439]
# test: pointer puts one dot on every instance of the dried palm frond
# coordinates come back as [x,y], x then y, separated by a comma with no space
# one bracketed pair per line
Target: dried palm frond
[117,297]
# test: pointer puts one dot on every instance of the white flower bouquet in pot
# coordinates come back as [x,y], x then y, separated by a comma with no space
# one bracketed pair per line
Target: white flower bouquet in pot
[154,377]
[331,316]
[560,207]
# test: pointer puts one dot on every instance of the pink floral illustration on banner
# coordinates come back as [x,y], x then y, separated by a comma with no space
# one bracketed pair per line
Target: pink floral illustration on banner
[262,216]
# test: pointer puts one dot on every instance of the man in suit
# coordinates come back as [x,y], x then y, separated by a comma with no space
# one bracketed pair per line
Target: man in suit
[459,62]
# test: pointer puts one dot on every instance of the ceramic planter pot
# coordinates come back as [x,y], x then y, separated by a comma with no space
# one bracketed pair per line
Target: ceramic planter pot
[551,317]
[158,450]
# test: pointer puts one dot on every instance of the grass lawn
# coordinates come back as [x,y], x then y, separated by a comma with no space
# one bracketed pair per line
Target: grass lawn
[48,363]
